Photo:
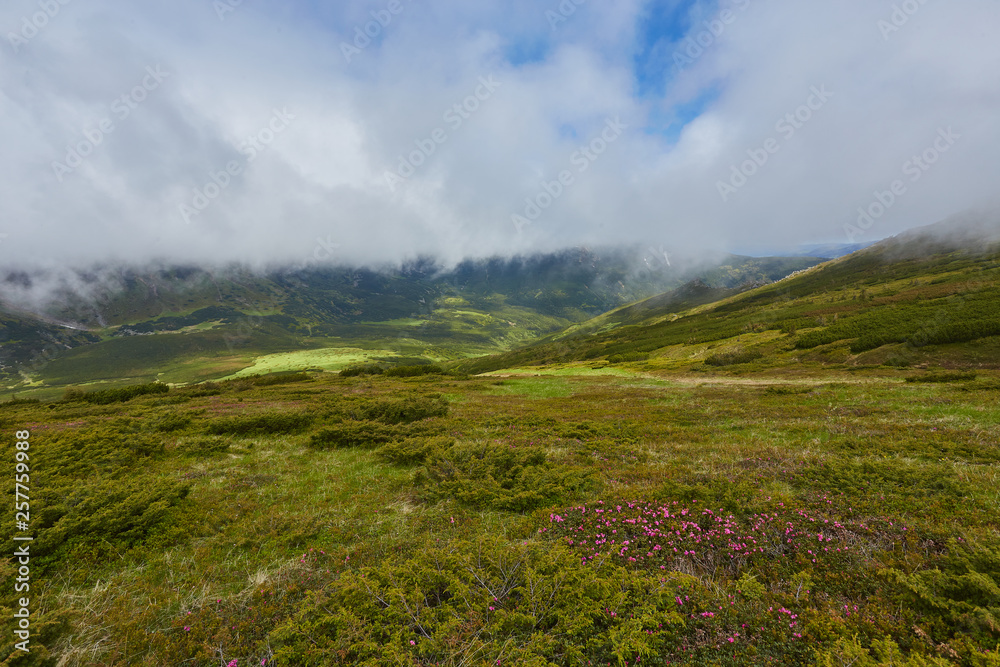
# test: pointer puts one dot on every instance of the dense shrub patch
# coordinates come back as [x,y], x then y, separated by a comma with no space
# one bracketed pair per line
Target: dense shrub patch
[368,434]
[413,451]
[485,476]
[413,371]
[628,357]
[496,602]
[733,358]
[118,395]
[362,434]
[263,424]
[932,378]
[14,401]
[936,322]
[171,423]
[362,369]
[403,410]
[202,446]
[87,492]
[392,371]
[275,379]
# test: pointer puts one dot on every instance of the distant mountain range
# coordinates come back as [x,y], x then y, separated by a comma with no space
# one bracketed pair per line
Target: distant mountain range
[830,250]
[820,250]
[184,324]
[891,302]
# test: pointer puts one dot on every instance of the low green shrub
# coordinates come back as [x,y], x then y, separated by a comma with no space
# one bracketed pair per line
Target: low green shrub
[486,476]
[628,357]
[112,510]
[203,446]
[486,603]
[413,371]
[883,653]
[362,369]
[89,490]
[14,401]
[116,395]
[361,434]
[733,358]
[205,389]
[932,378]
[788,390]
[961,593]
[171,423]
[273,379]
[263,424]
[403,410]
[413,451]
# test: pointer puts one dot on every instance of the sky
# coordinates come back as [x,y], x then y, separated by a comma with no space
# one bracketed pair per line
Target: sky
[353,132]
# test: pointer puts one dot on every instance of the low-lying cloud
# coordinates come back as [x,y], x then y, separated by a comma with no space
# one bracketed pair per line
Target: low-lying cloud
[364,132]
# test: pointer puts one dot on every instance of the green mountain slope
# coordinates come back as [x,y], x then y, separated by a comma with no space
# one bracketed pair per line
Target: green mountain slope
[930,295]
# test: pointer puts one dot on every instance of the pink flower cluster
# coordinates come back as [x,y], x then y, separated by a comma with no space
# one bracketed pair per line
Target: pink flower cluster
[665,535]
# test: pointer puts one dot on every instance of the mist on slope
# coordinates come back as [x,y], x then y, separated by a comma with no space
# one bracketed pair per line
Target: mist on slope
[101,294]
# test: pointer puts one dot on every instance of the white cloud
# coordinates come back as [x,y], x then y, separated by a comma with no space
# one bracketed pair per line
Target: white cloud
[324,176]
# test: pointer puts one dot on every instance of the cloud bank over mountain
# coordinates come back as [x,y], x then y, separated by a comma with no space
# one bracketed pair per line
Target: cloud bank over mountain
[360,132]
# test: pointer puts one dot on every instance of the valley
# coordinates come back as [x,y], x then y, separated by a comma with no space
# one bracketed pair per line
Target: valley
[801,473]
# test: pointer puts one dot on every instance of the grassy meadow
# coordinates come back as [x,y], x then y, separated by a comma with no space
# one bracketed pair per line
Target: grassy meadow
[575,515]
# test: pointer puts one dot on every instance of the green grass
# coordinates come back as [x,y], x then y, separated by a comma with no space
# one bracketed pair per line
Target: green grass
[749,483]
[533,387]
[328,359]
[243,547]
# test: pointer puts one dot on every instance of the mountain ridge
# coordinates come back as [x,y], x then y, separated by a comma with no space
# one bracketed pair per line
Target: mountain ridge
[884,304]
[417,311]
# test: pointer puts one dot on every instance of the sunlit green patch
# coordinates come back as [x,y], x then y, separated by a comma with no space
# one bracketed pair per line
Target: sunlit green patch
[534,387]
[328,359]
